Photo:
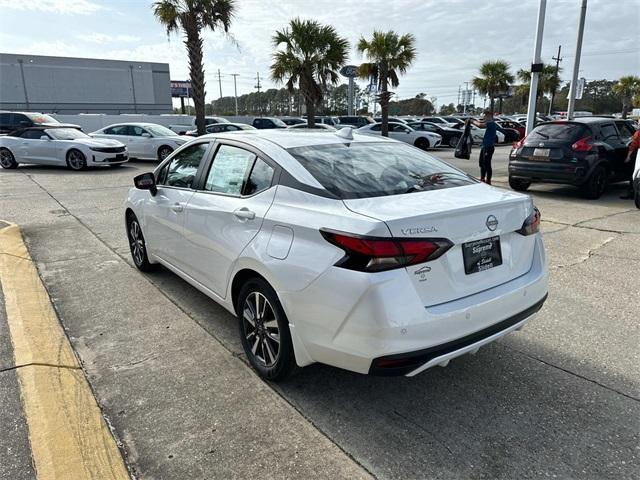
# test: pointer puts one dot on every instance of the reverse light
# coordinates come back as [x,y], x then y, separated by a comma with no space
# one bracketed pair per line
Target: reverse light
[582,145]
[376,254]
[532,224]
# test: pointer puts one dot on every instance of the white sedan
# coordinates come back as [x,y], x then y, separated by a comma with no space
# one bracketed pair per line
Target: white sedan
[318,126]
[478,135]
[148,141]
[404,133]
[356,251]
[50,145]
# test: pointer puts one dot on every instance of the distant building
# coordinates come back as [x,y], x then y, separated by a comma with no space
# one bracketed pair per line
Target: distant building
[83,85]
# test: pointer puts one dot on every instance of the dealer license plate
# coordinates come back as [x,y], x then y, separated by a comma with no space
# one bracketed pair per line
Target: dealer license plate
[481,255]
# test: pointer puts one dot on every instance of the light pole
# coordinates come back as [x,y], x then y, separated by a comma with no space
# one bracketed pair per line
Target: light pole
[235,90]
[536,68]
[576,61]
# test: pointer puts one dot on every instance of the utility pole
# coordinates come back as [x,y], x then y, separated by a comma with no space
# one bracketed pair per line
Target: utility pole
[576,61]
[235,90]
[258,86]
[536,68]
[558,59]
[220,82]
[458,98]
[465,95]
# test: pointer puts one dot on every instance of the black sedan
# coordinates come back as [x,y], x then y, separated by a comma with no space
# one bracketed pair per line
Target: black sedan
[450,136]
[587,152]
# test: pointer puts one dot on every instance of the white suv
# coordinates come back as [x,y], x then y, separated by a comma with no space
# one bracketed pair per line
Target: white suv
[355,251]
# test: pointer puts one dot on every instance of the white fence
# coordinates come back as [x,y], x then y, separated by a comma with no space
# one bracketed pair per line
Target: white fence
[93,122]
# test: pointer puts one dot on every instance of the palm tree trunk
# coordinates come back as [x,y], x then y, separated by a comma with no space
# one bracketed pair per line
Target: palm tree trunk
[196,72]
[384,100]
[311,112]
[492,103]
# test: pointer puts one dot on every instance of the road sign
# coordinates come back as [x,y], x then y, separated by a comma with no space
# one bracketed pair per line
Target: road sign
[580,84]
[349,71]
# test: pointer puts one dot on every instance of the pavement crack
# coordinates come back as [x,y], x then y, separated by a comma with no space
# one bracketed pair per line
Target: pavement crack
[577,375]
[420,427]
[39,364]
[15,256]
[590,254]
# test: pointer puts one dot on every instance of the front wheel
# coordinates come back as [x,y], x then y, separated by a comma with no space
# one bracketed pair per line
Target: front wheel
[518,184]
[7,160]
[594,187]
[264,331]
[76,160]
[422,143]
[453,141]
[164,152]
[636,195]
[138,246]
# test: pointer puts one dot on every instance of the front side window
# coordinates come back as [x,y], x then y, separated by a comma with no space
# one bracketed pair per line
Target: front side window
[229,170]
[626,132]
[33,134]
[363,169]
[117,130]
[136,131]
[184,166]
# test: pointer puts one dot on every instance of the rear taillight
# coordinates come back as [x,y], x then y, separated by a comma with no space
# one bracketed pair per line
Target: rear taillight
[519,143]
[582,145]
[375,254]
[532,224]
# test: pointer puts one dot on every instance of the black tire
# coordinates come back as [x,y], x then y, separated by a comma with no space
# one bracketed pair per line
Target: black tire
[422,143]
[163,152]
[138,245]
[76,160]
[453,141]
[267,343]
[595,185]
[7,160]
[518,184]
[636,196]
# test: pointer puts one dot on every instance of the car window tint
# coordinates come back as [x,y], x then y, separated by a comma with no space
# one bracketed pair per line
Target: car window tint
[363,169]
[136,131]
[117,130]
[184,166]
[626,132]
[260,177]
[377,127]
[608,132]
[33,134]
[569,132]
[229,170]
[5,118]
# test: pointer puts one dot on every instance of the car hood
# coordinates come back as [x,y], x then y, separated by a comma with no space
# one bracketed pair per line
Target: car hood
[99,142]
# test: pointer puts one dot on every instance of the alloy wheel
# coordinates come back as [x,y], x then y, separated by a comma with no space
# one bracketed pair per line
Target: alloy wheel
[164,153]
[76,160]
[136,242]
[260,328]
[6,159]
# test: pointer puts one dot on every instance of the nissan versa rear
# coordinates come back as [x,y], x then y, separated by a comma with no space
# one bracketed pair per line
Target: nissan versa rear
[359,252]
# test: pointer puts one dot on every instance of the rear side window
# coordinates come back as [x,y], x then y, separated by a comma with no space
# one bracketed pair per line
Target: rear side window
[362,170]
[569,132]
[229,170]
[608,132]
[626,131]
[260,177]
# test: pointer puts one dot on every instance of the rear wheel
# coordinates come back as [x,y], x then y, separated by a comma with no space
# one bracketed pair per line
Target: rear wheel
[594,186]
[264,331]
[137,245]
[453,141]
[164,152]
[636,195]
[7,160]
[76,160]
[518,184]
[422,143]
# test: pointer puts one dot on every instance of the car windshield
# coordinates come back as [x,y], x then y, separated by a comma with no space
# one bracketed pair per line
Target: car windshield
[160,131]
[569,132]
[66,133]
[376,169]
[245,127]
[41,118]
[278,122]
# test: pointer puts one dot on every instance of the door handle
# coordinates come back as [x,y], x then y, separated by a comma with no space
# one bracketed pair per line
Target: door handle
[244,213]
[177,207]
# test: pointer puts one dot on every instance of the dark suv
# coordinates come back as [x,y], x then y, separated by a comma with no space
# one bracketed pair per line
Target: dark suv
[10,121]
[355,121]
[587,152]
[268,122]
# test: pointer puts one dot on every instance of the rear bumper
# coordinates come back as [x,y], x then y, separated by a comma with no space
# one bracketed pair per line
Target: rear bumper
[349,319]
[566,173]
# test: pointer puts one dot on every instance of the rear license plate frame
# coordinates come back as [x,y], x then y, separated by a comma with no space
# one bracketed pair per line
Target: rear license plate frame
[541,154]
[478,258]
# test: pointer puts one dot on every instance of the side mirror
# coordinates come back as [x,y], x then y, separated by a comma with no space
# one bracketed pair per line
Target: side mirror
[146,135]
[45,137]
[146,181]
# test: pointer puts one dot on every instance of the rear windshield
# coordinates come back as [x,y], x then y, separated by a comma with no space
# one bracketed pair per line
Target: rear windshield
[376,169]
[569,132]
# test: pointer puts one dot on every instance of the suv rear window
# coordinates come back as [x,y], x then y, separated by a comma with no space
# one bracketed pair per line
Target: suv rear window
[376,169]
[569,132]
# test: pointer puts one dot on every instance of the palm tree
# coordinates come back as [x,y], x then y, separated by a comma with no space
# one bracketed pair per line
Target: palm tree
[627,87]
[312,55]
[389,55]
[548,81]
[190,17]
[494,79]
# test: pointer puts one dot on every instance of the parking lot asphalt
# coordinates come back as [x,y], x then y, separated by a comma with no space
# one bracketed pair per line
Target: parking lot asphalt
[560,398]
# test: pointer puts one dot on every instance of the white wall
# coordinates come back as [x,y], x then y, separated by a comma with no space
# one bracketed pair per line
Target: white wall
[91,123]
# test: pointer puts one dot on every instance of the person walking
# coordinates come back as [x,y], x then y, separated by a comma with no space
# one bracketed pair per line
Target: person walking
[632,156]
[488,145]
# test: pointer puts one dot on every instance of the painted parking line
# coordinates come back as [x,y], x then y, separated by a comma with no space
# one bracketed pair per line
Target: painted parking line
[69,437]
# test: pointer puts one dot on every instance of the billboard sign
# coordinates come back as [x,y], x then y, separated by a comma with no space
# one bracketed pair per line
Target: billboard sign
[180,89]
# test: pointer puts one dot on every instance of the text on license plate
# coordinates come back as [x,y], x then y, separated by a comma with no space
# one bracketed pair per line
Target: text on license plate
[481,255]
[541,154]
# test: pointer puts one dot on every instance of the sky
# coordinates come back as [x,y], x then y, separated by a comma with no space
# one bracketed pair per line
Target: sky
[453,37]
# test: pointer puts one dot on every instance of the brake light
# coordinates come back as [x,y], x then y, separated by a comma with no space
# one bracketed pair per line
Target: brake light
[376,254]
[532,224]
[519,143]
[582,145]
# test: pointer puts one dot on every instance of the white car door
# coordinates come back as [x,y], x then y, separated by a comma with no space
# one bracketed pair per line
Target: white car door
[33,149]
[223,217]
[140,142]
[400,132]
[164,212]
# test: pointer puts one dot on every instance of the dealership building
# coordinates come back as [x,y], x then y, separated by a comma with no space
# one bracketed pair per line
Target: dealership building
[83,85]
